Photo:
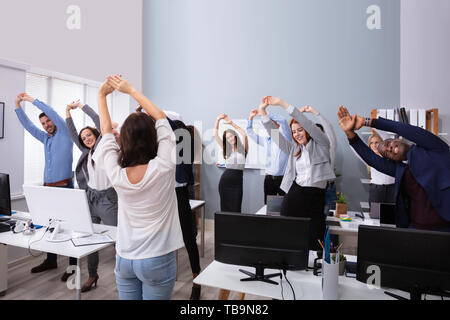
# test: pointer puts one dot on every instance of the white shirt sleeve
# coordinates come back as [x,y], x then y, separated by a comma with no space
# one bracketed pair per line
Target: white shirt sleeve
[106,156]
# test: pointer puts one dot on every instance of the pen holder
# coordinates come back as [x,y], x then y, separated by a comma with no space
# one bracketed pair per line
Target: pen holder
[330,277]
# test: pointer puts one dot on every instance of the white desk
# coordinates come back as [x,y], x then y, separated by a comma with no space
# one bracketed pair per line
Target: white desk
[60,248]
[306,285]
[200,204]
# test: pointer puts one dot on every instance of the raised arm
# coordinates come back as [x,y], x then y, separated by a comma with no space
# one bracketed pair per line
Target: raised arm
[103,112]
[240,130]
[251,132]
[49,111]
[126,87]
[347,124]
[329,131]
[91,114]
[216,130]
[284,144]
[71,125]
[26,122]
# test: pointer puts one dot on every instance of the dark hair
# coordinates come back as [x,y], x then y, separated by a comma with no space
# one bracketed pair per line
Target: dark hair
[42,115]
[180,125]
[138,140]
[237,144]
[320,127]
[94,132]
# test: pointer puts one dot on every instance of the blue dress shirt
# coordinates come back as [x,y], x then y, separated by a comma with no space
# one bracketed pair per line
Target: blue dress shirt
[58,147]
[276,159]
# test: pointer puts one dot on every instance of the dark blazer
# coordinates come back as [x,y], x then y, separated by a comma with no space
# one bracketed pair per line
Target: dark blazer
[81,171]
[183,171]
[428,160]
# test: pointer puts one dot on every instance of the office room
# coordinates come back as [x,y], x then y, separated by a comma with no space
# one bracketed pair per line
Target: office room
[348,210]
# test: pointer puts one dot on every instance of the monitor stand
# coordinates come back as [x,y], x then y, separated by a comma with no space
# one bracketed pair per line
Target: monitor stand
[58,234]
[259,275]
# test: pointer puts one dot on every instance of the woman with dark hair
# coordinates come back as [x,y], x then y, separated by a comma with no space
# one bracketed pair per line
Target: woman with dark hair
[102,197]
[234,153]
[142,168]
[308,168]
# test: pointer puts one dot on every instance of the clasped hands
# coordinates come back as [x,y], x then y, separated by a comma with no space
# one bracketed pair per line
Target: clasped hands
[349,123]
[116,83]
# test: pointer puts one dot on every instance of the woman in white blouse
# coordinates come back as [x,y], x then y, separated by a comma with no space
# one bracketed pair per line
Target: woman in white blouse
[234,153]
[308,168]
[141,168]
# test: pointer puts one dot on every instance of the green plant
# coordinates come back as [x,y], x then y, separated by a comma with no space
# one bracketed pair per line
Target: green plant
[341,198]
[341,257]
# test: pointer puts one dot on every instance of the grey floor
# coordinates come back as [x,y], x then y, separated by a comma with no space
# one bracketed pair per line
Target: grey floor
[22,285]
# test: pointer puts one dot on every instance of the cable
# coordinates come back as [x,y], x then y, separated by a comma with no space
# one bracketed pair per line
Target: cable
[281,284]
[29,245]
[293,292]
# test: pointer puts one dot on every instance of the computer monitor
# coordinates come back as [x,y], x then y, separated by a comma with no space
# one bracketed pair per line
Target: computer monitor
[415,261]
[69,208]
[5,195]
[387,215]
[274,205]
[261,241]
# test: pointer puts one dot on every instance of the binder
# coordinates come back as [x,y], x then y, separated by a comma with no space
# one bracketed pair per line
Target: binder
[422,119]
[413,120]
[390,114]
[381,113]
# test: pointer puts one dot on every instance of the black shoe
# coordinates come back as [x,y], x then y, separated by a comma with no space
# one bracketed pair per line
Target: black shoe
[195,294]
[46,265]
[66,276]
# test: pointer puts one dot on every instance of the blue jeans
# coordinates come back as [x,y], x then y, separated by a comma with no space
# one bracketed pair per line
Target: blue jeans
[146,279]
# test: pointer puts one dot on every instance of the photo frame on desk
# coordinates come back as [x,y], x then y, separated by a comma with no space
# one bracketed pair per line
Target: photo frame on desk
[2,119]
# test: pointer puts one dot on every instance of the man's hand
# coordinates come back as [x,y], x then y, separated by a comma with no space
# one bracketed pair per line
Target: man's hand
[105,89]
[121,85]
[346,121]
[309,109]
[25,97]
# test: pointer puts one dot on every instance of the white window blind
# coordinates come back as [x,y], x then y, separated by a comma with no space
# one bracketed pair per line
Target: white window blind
[36,86]
[58,93]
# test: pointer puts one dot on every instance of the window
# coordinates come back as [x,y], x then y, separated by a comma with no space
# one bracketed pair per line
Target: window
[58,93]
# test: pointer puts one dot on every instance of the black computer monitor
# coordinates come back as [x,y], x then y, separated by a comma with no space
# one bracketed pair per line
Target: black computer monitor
[5,195]
[260,241]
[415,261]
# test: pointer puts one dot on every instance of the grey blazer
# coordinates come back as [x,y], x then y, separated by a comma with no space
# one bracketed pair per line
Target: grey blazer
[318,148]
[81,171]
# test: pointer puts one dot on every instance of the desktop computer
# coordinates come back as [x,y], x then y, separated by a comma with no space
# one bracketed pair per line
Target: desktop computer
[66,211]
[5,195]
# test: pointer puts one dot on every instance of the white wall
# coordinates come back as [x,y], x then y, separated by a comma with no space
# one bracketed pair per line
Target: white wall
[109,39]
[425,57]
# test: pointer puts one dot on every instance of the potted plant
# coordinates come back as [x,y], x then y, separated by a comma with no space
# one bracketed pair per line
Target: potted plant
[342,261]
[341,205]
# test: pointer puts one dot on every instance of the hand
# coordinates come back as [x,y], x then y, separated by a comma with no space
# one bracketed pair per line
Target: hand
[273,101]
[25,97]
[309,109]
[74,105]
[139,109]
[105,89]
[253,114]
[346,121]
[359,122]
[221,116]
[120,84]
[227,120]
[17,102]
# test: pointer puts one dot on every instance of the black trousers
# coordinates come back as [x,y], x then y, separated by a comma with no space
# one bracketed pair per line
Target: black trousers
[272,186]
[188,227]
[307,202]
[230,190]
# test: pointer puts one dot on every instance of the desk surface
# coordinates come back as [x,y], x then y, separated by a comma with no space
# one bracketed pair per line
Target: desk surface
[306,285]
[346,227]
[61,248]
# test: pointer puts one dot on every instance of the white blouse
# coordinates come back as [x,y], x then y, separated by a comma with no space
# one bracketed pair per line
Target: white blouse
[303,171]
[98,179]
[148,223]
[236,161]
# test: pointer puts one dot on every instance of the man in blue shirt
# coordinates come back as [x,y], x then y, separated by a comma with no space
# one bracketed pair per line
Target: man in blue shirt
[58,156]
[276,159]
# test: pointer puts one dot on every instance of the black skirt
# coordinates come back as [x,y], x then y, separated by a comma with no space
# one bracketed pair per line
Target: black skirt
[230,190]
[307,202]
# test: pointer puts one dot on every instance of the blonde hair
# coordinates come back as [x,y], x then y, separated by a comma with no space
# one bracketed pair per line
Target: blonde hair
[372,136]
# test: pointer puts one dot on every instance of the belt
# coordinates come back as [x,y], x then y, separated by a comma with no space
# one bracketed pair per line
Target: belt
[61,183]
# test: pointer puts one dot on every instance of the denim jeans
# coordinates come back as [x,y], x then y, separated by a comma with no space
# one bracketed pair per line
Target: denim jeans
[146,279]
